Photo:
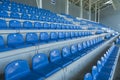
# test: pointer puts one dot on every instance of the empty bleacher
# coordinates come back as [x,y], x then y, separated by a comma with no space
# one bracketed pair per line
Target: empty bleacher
[37,44]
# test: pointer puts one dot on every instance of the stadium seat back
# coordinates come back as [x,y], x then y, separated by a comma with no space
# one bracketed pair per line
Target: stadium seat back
[67,35]
[15,39]
[16,69]
[14,24]
[72,34]
[2,44]
[3,24]
[65,51]
[99,66]
[39,60]
[73,49]
[55,55]
[3,13]
[94,72]
[88,76]
[53,36]
[24,16]
[27,25]
[31,38]
[14,15]
[44,37]
[38,25]
[79,46]
[61,35]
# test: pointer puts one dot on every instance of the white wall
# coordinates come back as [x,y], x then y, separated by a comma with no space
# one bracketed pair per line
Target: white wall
[111,17]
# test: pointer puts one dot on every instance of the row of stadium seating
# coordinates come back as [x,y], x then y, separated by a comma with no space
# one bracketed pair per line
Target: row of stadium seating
[104,68]
[17,24]
[6,14]
[42,67]
[24,13]
[16,40]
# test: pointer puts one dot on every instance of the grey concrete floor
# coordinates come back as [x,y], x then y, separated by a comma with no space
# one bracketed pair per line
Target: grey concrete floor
[117,71]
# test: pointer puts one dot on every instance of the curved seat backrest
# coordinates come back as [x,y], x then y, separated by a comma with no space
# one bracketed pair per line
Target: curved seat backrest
[44,36]
[99,66]
[2,44]
[14,24]
[65,51]
[94,72]
[88,76]
[53,36]
[3,14]
[3,24]
[61,35]
[24,16]
[67,35]
[55,55]
[27,24]
[72,34]
[15,39]
[73,49]
[16,69]
[38,25]
[79,45]
[31,38]
[14,15]
[39,60]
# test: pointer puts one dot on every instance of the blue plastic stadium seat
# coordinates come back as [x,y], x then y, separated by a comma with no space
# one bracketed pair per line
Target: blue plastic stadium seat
[33,17]
[14,24]
[32,38]
[27,25]
[80,47]
[22,10]
[3,24]
[38,25]
[63,26]
[14,9]
[53,36]
[94,72]
[3,47]
[58,26]
[14,15]
[44,37]
[99,66]
[15,40]
[19,70]
[76,34]
[61,35]
[41,65]
[56,58]
[67,27]
[4,7]
[88,76]
[74,51]
[80,34]
[3,14]
[67,54]
[52,26]
[84,45]
[24,16]
[67,35]
[46,26]
[72,34]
